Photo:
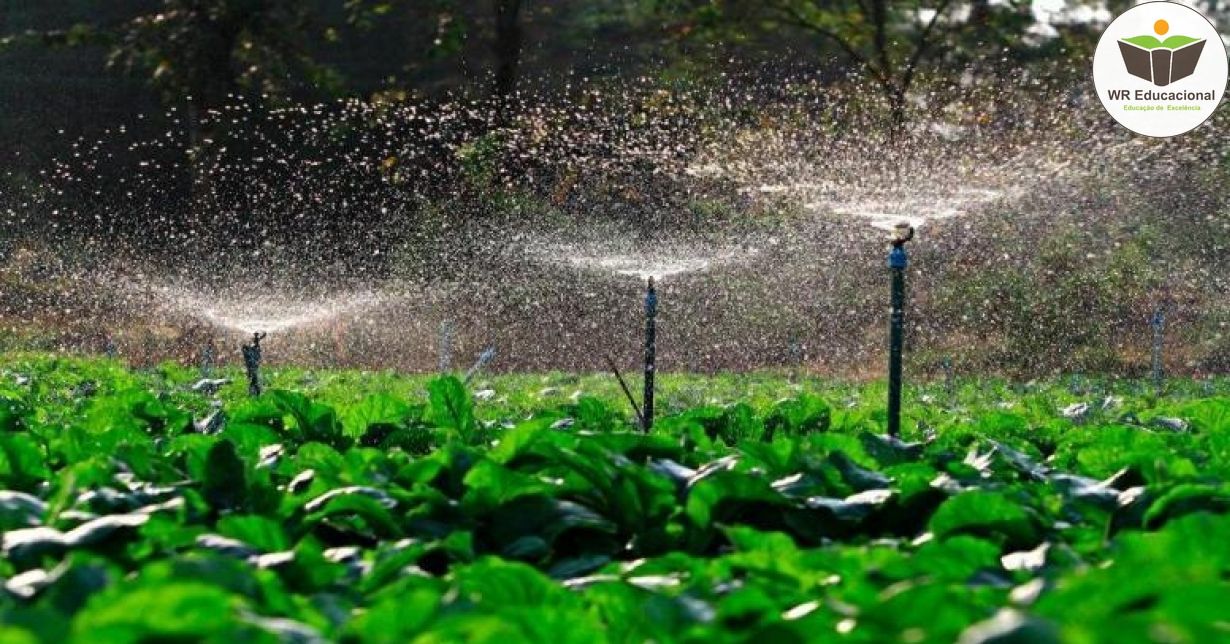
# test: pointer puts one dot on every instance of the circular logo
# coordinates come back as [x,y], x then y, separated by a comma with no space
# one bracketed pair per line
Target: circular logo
[1160,69]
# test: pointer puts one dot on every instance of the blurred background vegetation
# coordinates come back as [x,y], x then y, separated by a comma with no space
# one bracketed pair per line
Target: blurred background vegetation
[75,67]
[82,69]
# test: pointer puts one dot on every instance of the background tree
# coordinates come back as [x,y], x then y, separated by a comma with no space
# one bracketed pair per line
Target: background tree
[508,43]
[206,51]
[196,53]
[201,54]
[890,42]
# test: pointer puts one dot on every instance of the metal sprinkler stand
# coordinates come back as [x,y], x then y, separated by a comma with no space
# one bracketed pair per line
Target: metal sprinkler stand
[252,362]
[207,360]
[651,354]
[644,415]
[950,382]
[1158,322]
[897,263]
[485,357]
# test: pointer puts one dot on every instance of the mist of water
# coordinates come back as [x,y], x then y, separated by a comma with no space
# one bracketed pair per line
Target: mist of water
[361,227]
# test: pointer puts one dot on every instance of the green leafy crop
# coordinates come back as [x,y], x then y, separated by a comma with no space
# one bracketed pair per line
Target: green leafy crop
[383,508]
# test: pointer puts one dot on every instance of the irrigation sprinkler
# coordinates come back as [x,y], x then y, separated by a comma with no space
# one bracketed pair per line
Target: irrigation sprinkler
[897,262]
[207,360]
[109,348]
[1076,385]
[950,384]
[644,413]
[252,362]
[149,346]
[651,353]
[795,349]
[446,346]
[485,357]
[1158,322]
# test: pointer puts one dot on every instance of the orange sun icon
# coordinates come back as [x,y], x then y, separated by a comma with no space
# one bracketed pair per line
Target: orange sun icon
[1161,27]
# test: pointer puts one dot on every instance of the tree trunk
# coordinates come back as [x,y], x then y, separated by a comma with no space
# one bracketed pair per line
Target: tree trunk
[507,46]
[879,21]
[896,108]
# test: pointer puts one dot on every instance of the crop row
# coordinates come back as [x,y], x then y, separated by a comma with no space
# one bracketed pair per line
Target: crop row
[136,509]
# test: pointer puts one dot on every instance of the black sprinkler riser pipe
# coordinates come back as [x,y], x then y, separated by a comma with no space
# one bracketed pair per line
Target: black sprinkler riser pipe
[651,354]
[252,363]
[897,262]
[207,361]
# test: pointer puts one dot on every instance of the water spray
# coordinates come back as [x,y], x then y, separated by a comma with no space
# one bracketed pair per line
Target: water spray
[487,356]
[651,354]
[897,262]
[1158,322]
[252,362]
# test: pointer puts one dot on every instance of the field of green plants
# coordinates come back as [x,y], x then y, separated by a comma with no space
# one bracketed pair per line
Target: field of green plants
[143,506]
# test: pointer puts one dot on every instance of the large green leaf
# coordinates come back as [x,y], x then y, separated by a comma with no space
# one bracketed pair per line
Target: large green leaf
[730,497]
[377,520]
[224,484]
[534,527]
[1186,499]
[260,532]
[986,514]
[22,464]
[1172,580]
[181,611]
[451,407]
[375,409]
[397,619]
[490,485]
[314,421]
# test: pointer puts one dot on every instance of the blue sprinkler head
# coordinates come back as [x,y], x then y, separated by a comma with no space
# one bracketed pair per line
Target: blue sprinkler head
[651,300]
[901,234]
[897,258]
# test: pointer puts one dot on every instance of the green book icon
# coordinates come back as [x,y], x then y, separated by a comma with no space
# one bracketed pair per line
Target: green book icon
[1161,62]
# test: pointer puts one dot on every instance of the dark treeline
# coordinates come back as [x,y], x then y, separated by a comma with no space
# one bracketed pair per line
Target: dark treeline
[87,87]
[80,67]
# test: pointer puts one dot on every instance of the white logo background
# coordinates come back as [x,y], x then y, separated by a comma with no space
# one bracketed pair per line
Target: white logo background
[1110,72]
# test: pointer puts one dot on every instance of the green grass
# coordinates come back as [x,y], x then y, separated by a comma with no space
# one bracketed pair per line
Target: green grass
[373,507]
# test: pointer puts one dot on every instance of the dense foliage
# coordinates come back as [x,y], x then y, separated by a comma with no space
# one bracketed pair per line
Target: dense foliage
[372,507]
